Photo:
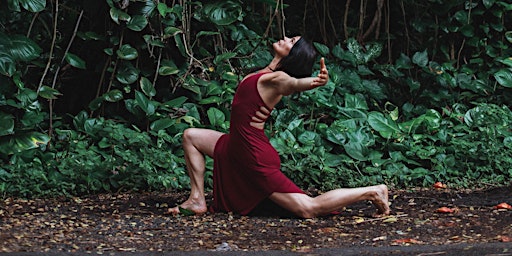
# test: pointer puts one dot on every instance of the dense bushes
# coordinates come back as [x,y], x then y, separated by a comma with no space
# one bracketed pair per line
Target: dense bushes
[95,96]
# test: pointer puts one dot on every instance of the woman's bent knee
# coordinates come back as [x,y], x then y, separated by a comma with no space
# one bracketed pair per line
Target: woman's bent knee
[203,140]
[188,134]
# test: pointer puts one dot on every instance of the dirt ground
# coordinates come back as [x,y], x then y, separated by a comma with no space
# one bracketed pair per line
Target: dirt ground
[134,222]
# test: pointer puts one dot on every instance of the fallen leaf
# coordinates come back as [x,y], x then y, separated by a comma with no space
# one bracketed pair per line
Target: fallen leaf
[359,219]
[406,241]
[186,212]
[380,238]
[390,220]
[439,185]
[505,239]
[446,210]
[503,206]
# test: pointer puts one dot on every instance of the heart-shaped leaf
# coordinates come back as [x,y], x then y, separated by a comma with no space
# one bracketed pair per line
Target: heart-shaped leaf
[49,93]
[6,124]
[147,87]
[137,23]
[30,5]
[127,52]
[118,15]
[504,77]
[75,61]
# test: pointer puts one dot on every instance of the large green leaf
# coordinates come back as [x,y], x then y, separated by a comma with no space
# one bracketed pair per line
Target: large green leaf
[22,142]
[222,57]
[507,61]
[216,116]
[75,61]
[210,100]
[29,5]
[420,58]
[356,101]
[33,5]
[174,103]
[180,45]
[113,96]
[322,49]
[358,144]
[118,15]
[308,137]
[147,87]
[127,74]
[508,35]
[504,77]
[223,13]
[137,23]
[172,31]
[22,48]
[162,9]
[49,93]
[168,70]
[352,113]
[127,52]
[386,127]
[161,124]
[6,124]
[144,103]
[412,125]
[7,64]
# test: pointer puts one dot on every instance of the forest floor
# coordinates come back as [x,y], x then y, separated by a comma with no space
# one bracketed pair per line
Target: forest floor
[134,222]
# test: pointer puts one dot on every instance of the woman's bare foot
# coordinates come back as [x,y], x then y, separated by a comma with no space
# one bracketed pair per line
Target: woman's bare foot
[198,207]
[381,200]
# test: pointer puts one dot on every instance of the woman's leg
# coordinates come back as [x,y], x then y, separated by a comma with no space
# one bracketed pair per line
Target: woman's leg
[308,207]
[196,143]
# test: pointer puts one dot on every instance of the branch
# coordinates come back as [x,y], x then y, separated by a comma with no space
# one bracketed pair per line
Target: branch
[32,24]
[345,19]
[405,26]
[67,48]
[464,41]
[376,20]
[157,66]
[52,46]
[383,218]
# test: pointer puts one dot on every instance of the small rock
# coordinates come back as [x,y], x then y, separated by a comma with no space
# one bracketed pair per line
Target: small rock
[224,247]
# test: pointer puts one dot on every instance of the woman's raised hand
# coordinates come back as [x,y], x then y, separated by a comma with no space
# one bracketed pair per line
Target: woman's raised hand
[323,76]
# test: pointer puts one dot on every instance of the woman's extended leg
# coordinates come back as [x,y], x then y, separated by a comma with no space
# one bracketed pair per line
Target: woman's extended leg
[308,207]
[196,143]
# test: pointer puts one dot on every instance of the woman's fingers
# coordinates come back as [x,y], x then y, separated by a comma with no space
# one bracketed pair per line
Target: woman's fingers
[261,115]
[322,77]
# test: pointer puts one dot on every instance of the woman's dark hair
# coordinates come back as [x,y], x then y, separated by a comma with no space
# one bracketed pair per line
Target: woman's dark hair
[299,62]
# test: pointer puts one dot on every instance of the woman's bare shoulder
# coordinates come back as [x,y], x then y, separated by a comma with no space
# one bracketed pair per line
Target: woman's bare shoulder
[274,78]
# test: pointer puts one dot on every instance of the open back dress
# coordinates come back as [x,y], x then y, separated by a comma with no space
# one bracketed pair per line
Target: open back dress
[246,166]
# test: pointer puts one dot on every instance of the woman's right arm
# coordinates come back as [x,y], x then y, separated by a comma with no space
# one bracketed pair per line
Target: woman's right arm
[286,85]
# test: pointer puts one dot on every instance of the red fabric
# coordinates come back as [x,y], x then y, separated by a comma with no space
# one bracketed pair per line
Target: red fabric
[246,166]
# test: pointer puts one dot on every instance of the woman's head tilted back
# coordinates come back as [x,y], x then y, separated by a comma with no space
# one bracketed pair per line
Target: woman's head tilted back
[299,61]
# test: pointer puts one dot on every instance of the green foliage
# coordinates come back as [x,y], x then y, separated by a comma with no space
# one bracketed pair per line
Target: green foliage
[429,101]
[98,155]
[460,146]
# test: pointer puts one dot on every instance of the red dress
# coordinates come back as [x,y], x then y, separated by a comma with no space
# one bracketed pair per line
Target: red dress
[246,167]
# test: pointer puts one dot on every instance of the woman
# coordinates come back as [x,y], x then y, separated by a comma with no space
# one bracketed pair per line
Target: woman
[246,166]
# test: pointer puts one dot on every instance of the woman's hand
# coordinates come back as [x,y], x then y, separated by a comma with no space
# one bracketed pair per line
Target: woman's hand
[259,118]
[323,76]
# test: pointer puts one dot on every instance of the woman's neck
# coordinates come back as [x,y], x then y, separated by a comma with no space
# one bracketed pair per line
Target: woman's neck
[273,64]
